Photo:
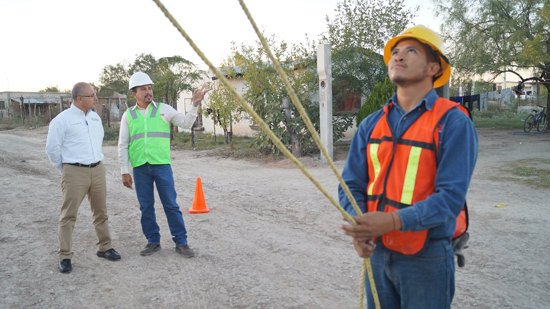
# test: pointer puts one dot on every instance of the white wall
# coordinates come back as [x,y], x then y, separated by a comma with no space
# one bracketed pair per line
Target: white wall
[184,104]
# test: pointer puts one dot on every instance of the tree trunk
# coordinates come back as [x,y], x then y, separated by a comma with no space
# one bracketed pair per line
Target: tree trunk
[230,131]
[214,117]
[294,140]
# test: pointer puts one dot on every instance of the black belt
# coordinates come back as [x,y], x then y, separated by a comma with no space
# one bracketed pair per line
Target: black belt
[85,165]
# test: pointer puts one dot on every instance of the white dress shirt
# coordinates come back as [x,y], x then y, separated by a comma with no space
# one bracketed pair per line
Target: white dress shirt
[167,113]
[75,137]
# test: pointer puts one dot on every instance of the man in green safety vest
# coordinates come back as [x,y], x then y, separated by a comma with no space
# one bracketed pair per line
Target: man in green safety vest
[144,141]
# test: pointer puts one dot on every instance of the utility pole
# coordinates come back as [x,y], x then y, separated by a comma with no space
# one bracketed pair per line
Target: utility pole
[324,69]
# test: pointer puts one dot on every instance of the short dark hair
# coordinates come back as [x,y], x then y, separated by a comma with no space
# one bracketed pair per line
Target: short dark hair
[134,89]
[77,89]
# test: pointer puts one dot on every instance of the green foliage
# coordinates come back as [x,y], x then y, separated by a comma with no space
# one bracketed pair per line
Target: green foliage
[110,135]
[379,96]
[494,36]
[499,118]
[173,76]
[265,91]
[359,30]
[170,75]
[222,108]
[114,78]
[146,63]
[50,89]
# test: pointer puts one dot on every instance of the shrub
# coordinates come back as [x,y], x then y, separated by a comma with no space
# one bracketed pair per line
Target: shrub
[381,93]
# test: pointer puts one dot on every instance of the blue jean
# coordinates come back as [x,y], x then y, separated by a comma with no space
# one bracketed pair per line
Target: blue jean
[423,281]
[161,175]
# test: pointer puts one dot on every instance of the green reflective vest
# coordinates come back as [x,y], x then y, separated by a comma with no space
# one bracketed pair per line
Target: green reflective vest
[149,137]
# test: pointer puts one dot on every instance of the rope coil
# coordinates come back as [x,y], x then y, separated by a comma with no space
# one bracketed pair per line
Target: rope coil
[366,262]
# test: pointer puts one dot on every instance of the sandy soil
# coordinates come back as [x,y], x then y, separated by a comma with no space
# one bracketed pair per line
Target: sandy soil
[271,239]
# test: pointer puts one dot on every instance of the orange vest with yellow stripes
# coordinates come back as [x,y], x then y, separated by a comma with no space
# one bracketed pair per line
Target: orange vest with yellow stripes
[402,171]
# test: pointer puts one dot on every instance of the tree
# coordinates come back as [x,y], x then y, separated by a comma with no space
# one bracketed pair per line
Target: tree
[174,75]
[114,78]
[50,89]
[146,63]
[224,109]
[497,36]
[379,96]
[170,75]
[265,91]
[357,35]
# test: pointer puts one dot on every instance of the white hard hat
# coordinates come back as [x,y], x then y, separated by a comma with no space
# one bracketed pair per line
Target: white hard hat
[139,79]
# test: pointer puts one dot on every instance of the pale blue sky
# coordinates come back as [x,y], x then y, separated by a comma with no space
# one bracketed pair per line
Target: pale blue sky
[61,42]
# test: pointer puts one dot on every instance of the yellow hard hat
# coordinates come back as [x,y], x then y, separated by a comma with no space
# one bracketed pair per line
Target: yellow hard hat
[429,37]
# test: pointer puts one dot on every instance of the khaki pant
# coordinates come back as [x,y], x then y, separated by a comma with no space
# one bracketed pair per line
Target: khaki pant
[77,182]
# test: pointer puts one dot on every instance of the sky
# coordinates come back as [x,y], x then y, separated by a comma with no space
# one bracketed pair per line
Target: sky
[62,42]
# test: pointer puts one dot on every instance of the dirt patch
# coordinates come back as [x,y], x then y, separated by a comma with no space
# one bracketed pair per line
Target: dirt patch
[271,239]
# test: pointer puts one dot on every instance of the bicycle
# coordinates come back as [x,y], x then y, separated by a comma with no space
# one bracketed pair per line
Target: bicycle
[536,119]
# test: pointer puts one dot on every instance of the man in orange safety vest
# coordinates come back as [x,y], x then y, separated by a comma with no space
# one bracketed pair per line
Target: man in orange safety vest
[409,168]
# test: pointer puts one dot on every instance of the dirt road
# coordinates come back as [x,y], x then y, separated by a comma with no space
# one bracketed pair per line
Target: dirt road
[271,240]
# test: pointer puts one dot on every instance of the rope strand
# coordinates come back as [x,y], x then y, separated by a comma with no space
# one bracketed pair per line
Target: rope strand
[315,136]
[277,142]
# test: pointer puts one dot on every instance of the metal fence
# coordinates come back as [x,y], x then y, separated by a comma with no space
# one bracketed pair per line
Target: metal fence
[505,97]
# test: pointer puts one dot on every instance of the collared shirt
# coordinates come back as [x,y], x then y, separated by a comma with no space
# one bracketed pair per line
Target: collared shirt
[75,137]
[456,160]
[168,114]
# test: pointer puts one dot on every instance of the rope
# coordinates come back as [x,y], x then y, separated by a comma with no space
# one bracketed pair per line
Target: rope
[307,121]
[276,141]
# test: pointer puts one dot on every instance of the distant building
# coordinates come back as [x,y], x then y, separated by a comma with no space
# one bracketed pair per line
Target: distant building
[13,103]
[25,104]
[8,98]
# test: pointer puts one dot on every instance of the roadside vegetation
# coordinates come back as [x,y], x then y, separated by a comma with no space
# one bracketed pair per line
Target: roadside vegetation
[498,118]
[531,172]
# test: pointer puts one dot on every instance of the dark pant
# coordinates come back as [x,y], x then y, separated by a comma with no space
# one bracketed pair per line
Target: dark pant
[423,281]
[161,175]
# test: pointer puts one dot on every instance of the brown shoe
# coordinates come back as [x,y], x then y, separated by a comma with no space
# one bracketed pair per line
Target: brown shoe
[185,251]
[149,249]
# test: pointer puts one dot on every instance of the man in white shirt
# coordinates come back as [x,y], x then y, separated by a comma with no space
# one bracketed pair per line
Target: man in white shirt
[74,144]
[144,141]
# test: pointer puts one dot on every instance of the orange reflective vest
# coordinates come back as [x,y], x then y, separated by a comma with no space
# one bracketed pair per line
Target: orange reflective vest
[402,171]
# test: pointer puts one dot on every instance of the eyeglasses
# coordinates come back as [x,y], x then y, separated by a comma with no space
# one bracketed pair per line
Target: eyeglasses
[93,95]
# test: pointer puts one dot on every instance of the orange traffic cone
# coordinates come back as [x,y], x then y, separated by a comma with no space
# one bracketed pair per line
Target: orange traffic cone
[199,205]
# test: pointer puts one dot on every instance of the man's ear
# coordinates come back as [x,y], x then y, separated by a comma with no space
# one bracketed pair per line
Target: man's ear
[433,68]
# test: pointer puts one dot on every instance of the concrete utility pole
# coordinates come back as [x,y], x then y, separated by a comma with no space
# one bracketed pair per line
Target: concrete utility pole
[443,91]
[324,69]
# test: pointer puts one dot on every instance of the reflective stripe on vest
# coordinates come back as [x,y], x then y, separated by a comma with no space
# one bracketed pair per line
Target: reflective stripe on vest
[149,137]
[402,169]
[375,164]
[410,175]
